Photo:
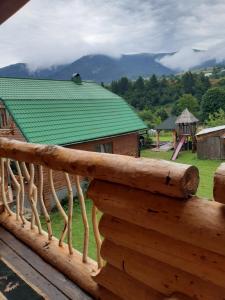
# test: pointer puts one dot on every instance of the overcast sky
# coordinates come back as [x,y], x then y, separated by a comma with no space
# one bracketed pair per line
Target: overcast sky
[46,32]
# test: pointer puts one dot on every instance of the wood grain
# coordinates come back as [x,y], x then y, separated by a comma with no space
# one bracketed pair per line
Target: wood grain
[157,176]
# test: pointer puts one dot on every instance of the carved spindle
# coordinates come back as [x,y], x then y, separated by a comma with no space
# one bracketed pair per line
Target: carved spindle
[17,187]
[44,210]
[33,199]
[59,206]
[25,171]
[84,218]
[21,192]
[27,177]
[70,212]
[97,236]
[4,198]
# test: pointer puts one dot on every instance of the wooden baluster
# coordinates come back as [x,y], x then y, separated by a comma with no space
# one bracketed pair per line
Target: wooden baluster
[4,198]
[33,199]
[27,176]
[70,213]
[59,206]
[18,188]
[44,210]
[21,192]
[25,171]
[97,236]
[84,218]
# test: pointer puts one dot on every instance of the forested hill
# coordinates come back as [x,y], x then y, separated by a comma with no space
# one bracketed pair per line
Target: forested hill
[100,68]
[158,97]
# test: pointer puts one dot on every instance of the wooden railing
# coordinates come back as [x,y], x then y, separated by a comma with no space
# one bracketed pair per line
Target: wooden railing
[27,180]
[160,241]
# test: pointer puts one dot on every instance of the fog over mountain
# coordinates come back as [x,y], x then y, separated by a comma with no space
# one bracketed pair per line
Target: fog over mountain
[103,68]
[100,68]
[48,33]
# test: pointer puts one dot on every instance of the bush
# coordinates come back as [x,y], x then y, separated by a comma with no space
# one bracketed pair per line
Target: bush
[216,119]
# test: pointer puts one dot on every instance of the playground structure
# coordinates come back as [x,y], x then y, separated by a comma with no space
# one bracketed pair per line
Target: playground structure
[166,125]
[183,130]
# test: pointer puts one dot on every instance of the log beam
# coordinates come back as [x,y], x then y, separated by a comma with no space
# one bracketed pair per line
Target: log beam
[10,7]
[202,263]
[125,286]
[195,221]
[157,176]
[157,275]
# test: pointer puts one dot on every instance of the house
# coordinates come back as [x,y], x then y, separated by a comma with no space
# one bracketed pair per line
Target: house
[211,143]
[74,113]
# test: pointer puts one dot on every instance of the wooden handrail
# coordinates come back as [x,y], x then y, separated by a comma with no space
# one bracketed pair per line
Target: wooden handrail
[157,176]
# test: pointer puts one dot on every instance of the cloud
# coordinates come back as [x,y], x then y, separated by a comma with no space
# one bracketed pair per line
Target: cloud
[46,33]
[186,58]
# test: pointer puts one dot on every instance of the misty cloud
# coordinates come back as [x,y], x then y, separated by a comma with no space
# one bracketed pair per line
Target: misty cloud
[186,58]
[47,33]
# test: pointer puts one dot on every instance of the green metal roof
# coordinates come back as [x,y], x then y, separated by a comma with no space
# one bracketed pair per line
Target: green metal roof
[63,112]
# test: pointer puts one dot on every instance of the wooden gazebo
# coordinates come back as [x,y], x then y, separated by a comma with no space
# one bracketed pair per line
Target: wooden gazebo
[167,125]
[186,123]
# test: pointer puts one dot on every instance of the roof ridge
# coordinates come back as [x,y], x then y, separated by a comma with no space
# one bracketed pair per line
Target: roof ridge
[46,79]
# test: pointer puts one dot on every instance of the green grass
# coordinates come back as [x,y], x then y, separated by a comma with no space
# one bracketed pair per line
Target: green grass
[164,137]
[78,229]
[206,168]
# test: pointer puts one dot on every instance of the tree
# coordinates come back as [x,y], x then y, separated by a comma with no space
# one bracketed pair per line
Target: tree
[161,112]
[188,82]
[186,101]
[123,85]
[202,84]
[221,82]
[114,87]
[149,117]
[139,84]
[216,119]
[212,101]
[153,82]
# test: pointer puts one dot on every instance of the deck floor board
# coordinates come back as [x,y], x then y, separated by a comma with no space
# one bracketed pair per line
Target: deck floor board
[35,270]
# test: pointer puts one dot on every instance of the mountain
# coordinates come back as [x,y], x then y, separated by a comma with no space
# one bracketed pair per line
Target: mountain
[100,68]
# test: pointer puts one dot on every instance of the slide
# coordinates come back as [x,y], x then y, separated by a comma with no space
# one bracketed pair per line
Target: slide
[178,148]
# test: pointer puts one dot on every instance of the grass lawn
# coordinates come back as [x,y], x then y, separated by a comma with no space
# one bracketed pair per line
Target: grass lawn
[206,168]
[164,137]
[78,230]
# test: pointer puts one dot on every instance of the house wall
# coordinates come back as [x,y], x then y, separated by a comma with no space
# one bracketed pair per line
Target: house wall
[211,146]
[15,134]
[125,144]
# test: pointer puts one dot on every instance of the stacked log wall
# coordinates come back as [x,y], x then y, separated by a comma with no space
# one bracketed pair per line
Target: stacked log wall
[160,245]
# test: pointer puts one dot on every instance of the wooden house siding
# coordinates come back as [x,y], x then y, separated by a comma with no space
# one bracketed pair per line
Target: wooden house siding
[211,145]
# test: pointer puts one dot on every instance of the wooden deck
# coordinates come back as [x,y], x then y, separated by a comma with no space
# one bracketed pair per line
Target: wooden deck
[36,271]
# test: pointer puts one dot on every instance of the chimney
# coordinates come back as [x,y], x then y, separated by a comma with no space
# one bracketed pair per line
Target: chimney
[76,78]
